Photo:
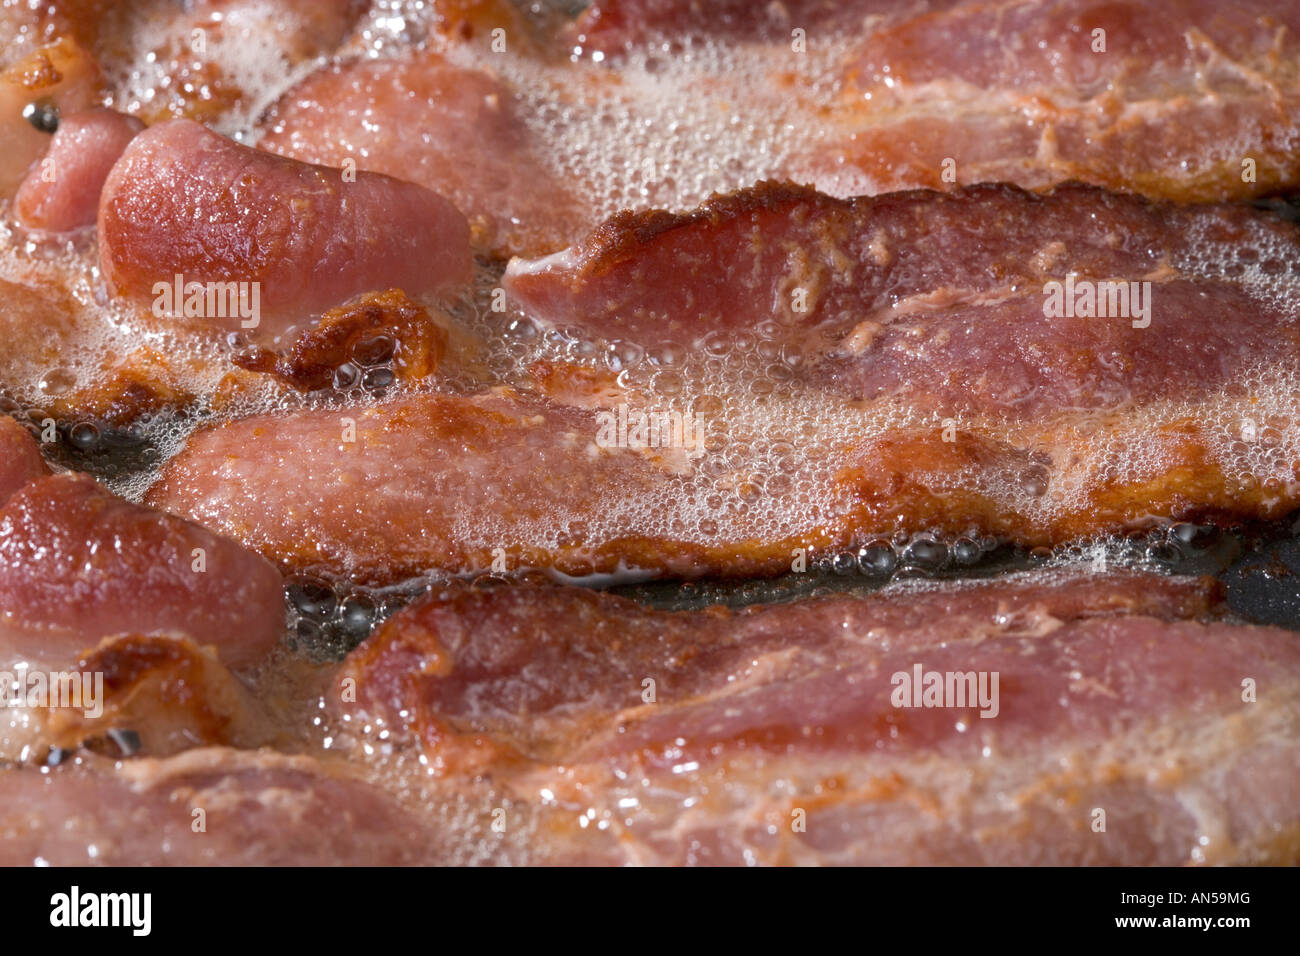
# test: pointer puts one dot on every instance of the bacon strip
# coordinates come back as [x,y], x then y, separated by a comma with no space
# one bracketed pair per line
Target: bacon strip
[455,484]
[453,130]
[969,267]
[78,563]
[206,807]
[424,483]
[1178,99]
[703,737]
[1174,99]
[185,201]
[62,192]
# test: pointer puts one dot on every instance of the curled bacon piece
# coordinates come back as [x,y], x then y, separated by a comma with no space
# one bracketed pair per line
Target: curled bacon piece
[184,207]
[77,563]
[62,192]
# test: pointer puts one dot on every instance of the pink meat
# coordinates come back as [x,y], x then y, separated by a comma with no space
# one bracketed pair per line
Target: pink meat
[184,201]
[935,297]
[258,809]
[62,191]
[1036,46]
[393,503]
[453,130]
[78,563]
[1117,693]
[610,26]
[20,459]
[1167,98]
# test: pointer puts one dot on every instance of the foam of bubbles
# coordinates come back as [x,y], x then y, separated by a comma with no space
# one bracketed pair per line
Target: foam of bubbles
[464,809]
[762,473]
[162,67]
[672,124]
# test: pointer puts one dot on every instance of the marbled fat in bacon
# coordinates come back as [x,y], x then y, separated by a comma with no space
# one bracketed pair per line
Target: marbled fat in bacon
[1112,693]
[1177,99]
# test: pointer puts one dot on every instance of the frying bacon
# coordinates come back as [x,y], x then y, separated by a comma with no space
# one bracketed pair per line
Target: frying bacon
[471,145]
[59,77]
[460,478]
[1178,99]
[1175,99]
[926,94]
[1036,423]
[529,28]
[63,362]
[849,377]
[160,694]
[202,59]
[508,482]
[377,328]
[62,192]
[78,563]
[877,277]
[183,201]
[199,81]
[207,807]
[612,26]
[779,734]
